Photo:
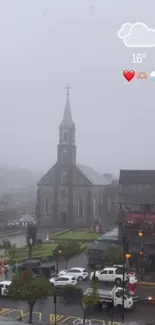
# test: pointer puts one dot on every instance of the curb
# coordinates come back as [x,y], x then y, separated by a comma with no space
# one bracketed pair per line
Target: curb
[147,283]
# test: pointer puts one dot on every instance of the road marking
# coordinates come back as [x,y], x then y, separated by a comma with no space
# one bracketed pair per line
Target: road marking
[14,310]
[69,317]
[79,321]
[3,311]
[34,313]
[99,320]
[52,318]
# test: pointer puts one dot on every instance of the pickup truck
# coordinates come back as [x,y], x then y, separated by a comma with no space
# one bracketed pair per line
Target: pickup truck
[113,297]
[110,274]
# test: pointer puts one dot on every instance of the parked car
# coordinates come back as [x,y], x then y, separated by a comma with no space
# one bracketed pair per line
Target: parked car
[79,273]
[110,274]
[63,281]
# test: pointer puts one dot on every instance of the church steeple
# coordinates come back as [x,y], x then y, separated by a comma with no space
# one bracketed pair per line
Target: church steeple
[66,147]
[67,116]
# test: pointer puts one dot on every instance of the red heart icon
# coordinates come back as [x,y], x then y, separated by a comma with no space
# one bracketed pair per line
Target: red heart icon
[128,74]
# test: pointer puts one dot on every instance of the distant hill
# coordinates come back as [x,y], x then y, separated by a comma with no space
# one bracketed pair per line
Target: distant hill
[13,179]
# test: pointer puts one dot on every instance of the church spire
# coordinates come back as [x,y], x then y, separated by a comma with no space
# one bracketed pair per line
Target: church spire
[67,117]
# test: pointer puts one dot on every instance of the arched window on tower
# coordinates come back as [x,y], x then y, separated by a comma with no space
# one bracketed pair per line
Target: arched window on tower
[46,207]
[80,208]
[65,136]
[64,178]
[65,157]
[94,206]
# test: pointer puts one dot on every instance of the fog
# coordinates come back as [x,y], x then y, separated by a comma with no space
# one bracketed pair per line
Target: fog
[48,43]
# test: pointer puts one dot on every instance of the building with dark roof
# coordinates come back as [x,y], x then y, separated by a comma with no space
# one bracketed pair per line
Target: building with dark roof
[136,198]
[70,194]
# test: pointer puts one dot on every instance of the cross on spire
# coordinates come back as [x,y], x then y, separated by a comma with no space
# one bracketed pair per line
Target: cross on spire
[68,88]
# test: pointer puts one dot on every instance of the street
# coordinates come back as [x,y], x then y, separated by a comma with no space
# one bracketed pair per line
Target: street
[72,313]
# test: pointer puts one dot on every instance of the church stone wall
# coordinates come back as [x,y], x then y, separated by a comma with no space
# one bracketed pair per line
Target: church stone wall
[80,193]
[46,193]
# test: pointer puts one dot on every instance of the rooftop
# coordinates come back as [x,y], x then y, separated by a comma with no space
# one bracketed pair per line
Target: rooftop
[133,177]
[94,177]
[110,235]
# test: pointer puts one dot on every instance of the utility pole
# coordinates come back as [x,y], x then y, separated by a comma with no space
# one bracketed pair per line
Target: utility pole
[124,246]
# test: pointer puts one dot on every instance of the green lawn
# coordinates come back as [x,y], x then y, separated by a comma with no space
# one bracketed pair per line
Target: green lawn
[45,250]
[78,235]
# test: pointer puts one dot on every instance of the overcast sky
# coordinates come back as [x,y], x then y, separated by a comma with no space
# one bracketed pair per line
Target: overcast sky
[48,43]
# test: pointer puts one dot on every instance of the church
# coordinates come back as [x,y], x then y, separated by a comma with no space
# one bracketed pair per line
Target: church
[70,194]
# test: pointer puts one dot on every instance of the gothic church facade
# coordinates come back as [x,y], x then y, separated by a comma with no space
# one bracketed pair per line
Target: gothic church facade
[70,195]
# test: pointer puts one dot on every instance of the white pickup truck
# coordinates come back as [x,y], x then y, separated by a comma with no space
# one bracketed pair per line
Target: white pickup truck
[113,297]
[110,274]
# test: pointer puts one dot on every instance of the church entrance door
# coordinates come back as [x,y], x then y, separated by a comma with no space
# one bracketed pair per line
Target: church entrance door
[63,219]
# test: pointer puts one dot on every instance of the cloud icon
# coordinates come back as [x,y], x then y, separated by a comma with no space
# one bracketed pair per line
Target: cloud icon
[137,35]
[125,30]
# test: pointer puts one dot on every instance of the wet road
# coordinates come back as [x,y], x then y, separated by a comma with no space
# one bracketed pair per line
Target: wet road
[71,313]
[20,239]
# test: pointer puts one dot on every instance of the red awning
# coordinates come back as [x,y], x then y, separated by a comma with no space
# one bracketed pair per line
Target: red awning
[139,217]
[133,217]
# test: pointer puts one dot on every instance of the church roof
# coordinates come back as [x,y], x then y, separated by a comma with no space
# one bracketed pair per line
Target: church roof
[67,116]
[94,177]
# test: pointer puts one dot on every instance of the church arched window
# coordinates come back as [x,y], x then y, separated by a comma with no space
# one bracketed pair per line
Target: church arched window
[64,178]
[94,206]
[80,208]
[65,136]
[46,207]
[65,157]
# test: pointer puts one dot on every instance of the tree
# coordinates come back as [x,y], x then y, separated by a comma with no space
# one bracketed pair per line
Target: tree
[11,251]
[6,244]
[90,300]
[67,249]
[29,287]
[113,255]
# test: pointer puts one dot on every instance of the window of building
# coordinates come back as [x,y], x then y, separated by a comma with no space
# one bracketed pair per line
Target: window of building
[65,136]
[94,206]
[65,157]
[64,177]
[80,208]
[46,207]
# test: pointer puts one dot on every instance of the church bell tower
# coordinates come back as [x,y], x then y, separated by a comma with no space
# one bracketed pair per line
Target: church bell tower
[66,147]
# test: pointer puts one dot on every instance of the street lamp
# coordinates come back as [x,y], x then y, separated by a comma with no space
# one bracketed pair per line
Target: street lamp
[140,233]
[59,252]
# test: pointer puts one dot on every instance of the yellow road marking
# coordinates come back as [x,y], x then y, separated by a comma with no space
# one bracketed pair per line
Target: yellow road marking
[148,283]
[69,317]
[98,320]
[13,310]
[4,310]
[52,318]
[34,312]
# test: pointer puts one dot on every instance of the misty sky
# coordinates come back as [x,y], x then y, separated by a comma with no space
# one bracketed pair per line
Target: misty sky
[48,43]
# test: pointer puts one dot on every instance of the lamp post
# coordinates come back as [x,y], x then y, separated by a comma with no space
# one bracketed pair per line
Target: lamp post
[59,252]
[126,255]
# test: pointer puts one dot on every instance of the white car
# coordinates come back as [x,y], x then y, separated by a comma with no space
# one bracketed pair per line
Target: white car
[79,273]
[63,281]
[110,274]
